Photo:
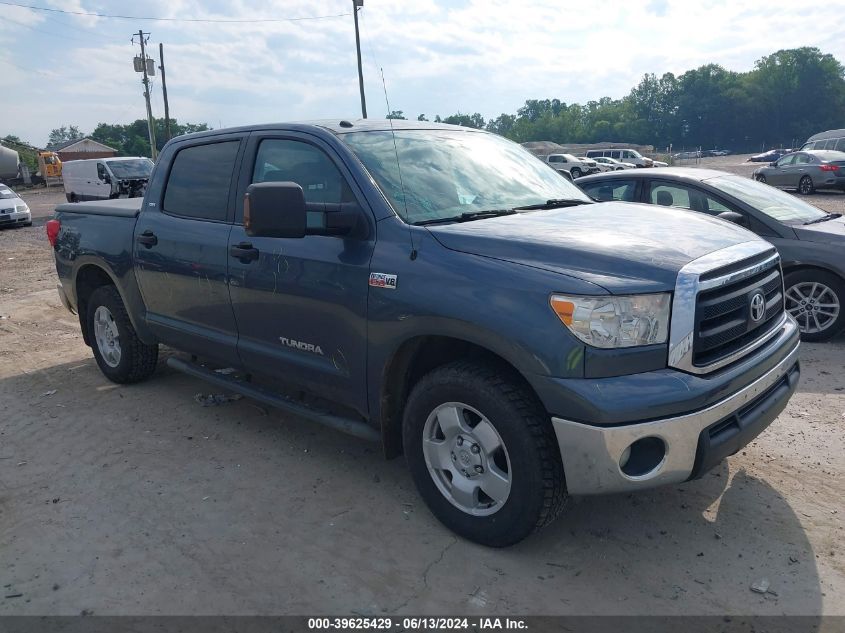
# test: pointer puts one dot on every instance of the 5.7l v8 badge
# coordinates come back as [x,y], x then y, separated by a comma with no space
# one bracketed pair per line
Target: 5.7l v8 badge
[383,280]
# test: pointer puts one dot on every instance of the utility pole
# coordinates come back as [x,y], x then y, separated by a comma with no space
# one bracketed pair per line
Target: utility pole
[146,80]
[355,5]
[164,91]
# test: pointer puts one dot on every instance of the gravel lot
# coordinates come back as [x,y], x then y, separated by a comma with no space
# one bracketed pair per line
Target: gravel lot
[136,500]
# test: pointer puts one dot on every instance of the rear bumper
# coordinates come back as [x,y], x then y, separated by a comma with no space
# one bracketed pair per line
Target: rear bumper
[691,443]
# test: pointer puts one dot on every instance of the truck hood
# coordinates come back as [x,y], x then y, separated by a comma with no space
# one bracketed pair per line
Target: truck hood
[830,232]
[623,247]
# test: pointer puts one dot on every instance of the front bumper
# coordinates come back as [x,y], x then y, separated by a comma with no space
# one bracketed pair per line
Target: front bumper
[691,443]
[15,217]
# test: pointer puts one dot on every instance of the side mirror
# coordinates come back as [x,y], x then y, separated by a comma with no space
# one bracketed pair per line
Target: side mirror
[774,163]
[733,216]
[278,209]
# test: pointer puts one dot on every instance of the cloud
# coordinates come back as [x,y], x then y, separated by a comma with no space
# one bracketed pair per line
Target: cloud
[438,57]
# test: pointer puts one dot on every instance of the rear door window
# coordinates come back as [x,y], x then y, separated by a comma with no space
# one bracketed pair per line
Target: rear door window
[840,145]
[200,180]
[612,190]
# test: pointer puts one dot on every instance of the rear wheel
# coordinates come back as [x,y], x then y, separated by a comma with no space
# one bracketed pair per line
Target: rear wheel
[805,186]
[814,298]
[120,354]
[482,453]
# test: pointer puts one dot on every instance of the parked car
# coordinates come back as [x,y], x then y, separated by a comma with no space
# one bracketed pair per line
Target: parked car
[625,155]
[768,157]
[575,167]
[611,164]
[805,171]
[13,210]
[811,242]
[830,140]
[716,152]
[105,178]
[686,155]
[516,341]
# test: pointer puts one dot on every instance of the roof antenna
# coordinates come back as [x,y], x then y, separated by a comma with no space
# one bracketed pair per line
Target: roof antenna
[399,168]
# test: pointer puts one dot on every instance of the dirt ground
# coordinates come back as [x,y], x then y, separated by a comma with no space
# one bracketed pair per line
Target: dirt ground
[137,500]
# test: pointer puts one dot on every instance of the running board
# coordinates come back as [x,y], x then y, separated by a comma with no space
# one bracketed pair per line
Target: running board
[358,428]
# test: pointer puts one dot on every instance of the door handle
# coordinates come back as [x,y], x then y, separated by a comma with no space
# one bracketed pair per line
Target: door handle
[147,238]
[243,251]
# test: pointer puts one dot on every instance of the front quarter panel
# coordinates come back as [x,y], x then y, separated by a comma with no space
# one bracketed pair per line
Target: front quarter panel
[501,306]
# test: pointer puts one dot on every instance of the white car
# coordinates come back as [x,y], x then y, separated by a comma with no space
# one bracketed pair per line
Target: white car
[13,210]
[606,163]
[575,167]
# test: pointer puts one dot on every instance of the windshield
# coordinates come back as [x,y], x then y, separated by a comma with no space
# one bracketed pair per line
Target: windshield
[136,168]
[775,203]
[7,194]
[446,173]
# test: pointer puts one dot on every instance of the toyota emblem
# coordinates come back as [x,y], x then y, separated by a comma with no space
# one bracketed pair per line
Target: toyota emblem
[757,308]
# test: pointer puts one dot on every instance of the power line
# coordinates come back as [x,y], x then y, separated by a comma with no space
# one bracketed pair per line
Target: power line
[62,35]
[158,19]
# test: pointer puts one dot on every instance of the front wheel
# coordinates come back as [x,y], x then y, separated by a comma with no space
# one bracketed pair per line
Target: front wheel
[120,354]
[814,298]
[575,172]
[760,178]
[482,453]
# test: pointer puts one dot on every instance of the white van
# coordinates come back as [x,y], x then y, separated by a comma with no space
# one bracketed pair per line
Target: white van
[104,178]
[624,155]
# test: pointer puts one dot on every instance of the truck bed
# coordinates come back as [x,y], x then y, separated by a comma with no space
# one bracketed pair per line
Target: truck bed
[123,207]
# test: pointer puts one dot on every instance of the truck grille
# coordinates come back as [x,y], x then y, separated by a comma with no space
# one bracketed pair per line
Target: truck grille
[724,316]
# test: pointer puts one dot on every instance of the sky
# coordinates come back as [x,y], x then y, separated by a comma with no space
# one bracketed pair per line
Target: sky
[438,57]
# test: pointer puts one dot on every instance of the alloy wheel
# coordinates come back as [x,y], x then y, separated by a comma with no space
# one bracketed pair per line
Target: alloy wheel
[814,306]
[467,459]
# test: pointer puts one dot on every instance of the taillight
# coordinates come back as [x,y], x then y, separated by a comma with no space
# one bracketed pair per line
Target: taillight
[829,167]
[53,227]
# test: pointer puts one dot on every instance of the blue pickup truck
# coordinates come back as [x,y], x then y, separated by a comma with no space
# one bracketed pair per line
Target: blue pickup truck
[441,291]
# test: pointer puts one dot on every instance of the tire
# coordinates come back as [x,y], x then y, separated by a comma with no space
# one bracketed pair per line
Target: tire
[761,178]
[822,322]
[805,186]
[575,172]
[71,197]
[134,360]
[527,453]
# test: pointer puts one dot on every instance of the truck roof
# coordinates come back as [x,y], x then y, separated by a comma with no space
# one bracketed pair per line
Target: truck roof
[339,126]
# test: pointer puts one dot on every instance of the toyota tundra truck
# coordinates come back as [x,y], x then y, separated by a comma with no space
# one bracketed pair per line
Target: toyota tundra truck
[445,293]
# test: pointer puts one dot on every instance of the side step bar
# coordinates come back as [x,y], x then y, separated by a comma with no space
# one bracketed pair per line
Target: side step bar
[358,428]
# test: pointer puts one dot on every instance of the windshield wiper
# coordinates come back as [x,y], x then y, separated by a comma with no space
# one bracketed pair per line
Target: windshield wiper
[468,216]
[824,218]
[555,203]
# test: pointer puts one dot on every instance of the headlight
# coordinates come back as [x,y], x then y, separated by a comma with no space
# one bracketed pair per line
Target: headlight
[21,208]
[615,321]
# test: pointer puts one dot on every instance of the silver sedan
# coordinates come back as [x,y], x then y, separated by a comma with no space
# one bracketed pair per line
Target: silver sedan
[805,171]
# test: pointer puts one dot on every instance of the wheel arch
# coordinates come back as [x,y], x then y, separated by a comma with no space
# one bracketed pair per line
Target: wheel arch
[88,277]
[414,358]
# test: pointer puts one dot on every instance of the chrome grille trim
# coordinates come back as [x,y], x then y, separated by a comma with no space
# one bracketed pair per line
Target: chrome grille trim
[685,300]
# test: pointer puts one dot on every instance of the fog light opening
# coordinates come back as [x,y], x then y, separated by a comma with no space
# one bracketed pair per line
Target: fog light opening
[642,457]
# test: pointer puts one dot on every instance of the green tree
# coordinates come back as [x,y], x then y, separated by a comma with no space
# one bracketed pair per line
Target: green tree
[421,118]
[467,120]
[63,134]
[396,114]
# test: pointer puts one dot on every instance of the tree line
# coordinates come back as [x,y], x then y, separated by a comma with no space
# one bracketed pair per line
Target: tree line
[131,139]
[787,96]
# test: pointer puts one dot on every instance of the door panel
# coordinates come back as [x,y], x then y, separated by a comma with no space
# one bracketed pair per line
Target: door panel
[301,306]
[181,261]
